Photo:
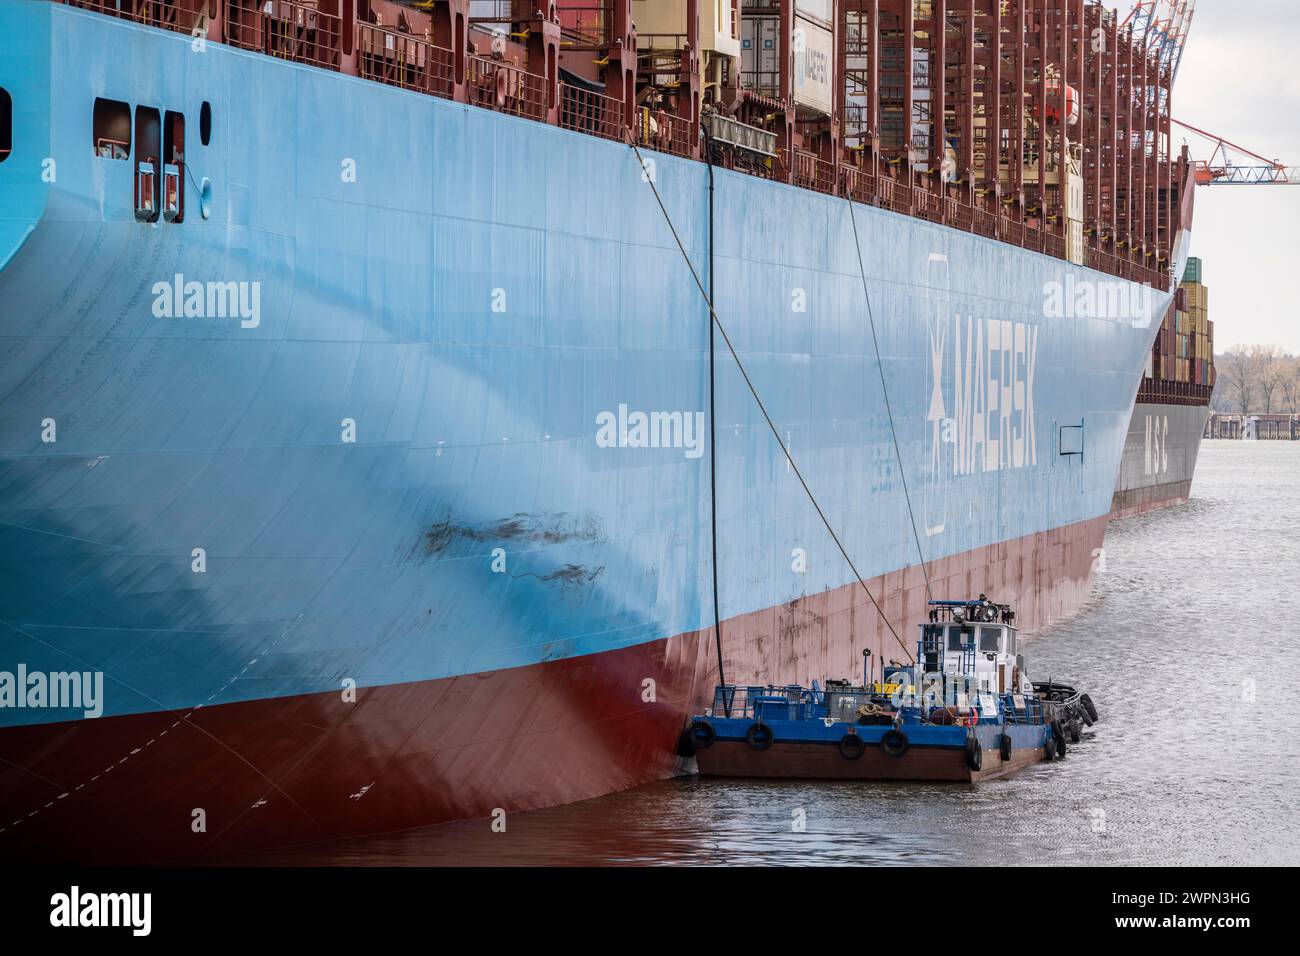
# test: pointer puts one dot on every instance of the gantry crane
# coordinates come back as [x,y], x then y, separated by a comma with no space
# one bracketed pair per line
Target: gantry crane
[1163,26]
[1224,168]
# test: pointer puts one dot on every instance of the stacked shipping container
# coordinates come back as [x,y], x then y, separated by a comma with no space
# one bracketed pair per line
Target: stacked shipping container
[1184,348]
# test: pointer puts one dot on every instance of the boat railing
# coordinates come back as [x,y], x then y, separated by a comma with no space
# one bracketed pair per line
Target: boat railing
[667,133]
[405,61]
[286,30]
[586,111]
[501,86]
[753,702]
[164,14]
[984,223]
[1032,711]
[807,170]
[858,185]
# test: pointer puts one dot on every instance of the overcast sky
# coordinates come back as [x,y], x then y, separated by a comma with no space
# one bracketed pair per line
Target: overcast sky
[1240,79]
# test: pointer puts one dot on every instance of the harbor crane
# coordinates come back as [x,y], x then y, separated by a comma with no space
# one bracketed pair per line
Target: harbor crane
[1233,165]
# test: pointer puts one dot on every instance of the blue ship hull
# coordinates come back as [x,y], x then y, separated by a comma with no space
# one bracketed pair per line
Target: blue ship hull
[397,474]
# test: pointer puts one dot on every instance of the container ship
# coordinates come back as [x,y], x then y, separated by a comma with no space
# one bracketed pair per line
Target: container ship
[1172,407]
[411,411]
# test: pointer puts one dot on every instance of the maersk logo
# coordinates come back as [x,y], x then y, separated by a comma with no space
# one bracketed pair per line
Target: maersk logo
[1099,299]
[984,410]
[626,429]
[208,300]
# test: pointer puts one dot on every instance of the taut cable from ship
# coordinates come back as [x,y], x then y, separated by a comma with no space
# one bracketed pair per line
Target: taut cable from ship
[763,408]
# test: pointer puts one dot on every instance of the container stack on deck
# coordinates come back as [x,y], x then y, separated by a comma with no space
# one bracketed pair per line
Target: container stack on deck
[1181,368]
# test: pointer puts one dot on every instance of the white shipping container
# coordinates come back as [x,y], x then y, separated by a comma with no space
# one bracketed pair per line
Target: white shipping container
[814,52]
[760,54]
[820,10]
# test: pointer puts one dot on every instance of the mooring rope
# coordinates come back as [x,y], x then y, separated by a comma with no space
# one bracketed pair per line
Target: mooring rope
[759,401]
[880,366]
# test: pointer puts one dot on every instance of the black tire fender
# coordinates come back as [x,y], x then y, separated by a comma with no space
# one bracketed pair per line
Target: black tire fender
[974,753]
[1059,736]
[894,743]
[852,747]
[1004,746]
[1090,709]
[759,736]
[702,735]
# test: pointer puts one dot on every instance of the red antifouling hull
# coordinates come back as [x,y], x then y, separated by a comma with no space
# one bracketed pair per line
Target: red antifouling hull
[209,782]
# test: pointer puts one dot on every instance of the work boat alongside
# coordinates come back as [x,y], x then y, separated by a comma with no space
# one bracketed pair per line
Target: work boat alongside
[964,711]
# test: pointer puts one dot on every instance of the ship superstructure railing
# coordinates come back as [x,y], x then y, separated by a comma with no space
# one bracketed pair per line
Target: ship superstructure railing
[587,111]
[164,14]
[299,31]
[286,30]
[666,132]
[501,86]
[807,170]
[400,59]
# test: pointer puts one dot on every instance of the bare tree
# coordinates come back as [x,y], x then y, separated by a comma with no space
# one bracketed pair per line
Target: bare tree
[1236,372]
[1268,372]
[1289,383]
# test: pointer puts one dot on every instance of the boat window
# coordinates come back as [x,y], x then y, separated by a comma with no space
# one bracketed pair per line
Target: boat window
[111,132]
[989,639]
[6,124]
[205,122]
[957,636]
[148,134]
[174,138]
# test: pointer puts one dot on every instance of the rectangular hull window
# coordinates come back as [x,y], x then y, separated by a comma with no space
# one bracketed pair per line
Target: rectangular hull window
[112,130]
[148,160]
[173,203]
[6,124]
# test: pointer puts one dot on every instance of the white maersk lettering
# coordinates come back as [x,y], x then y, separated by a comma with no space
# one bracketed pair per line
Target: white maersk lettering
[993,394]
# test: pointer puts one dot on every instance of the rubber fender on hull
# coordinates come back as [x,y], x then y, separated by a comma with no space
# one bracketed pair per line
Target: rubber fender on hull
[702,735]
[852,747]
[1089,708]
[1058,735]
[894,743]
[759,736]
